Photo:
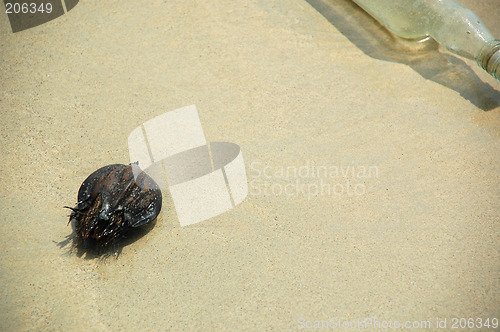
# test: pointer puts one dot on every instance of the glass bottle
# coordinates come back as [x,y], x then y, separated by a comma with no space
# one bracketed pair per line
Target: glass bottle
[451,24]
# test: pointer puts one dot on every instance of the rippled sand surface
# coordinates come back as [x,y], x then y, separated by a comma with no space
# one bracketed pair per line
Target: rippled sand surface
[296,88]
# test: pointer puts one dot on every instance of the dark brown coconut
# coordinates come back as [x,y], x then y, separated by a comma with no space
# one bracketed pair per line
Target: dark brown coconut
[111,202]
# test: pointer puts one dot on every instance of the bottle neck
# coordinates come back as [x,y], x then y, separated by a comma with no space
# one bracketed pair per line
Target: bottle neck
[489,58]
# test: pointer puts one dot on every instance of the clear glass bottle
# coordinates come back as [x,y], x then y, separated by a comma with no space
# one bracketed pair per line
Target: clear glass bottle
[452,25]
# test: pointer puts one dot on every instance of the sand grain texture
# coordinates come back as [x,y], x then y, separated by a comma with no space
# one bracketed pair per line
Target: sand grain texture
[282,82]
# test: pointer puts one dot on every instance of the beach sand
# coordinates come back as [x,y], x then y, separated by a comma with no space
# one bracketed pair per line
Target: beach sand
[405,227]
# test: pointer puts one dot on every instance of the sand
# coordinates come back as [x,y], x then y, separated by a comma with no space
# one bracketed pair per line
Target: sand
[405,227]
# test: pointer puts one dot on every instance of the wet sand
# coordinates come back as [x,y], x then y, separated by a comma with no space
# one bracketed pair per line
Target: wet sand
[415,239]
